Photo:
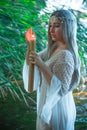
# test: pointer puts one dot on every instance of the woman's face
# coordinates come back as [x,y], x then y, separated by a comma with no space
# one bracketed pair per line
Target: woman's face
[55,29]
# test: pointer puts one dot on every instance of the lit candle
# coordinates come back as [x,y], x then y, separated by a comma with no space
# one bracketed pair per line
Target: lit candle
[31,38]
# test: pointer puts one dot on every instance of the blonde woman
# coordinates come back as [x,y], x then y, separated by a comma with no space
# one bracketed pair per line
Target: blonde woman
[57,72]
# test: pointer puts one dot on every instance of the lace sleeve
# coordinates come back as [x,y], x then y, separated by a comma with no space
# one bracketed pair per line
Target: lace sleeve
[64,73]
[63,70]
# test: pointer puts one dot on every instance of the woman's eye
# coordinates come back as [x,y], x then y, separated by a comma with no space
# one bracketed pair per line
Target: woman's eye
[55,26]
[58,25]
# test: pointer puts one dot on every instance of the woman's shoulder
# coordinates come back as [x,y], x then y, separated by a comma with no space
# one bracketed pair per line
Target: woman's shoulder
[65,53]
[65,56]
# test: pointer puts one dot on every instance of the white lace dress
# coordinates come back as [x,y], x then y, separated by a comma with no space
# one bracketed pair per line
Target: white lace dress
[55,104]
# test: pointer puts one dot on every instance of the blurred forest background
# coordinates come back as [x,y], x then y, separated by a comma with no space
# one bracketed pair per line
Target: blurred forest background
[18,107]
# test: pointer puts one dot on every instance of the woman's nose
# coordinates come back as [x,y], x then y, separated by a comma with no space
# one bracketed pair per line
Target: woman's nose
[52,29]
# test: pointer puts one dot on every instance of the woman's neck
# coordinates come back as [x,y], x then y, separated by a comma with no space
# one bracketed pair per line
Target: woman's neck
[56,47]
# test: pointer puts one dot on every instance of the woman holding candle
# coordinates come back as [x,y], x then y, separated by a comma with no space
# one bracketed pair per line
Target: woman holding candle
[57,73]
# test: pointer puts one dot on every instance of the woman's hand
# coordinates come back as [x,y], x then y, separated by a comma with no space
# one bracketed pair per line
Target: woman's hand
[35,59]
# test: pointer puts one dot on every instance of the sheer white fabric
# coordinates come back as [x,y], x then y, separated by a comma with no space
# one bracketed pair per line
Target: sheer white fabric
[55,104]
[25,76]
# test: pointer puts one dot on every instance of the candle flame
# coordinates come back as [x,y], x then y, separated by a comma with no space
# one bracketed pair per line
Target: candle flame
[30,35]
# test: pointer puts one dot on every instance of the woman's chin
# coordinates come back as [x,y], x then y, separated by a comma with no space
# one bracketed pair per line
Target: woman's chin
[53,39]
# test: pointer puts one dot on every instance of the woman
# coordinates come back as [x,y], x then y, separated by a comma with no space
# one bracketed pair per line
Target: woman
[57,72]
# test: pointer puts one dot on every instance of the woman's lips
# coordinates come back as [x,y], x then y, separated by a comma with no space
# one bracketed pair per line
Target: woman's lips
[53,35]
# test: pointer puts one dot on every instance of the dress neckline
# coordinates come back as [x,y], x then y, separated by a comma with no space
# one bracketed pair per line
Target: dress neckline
[60,51]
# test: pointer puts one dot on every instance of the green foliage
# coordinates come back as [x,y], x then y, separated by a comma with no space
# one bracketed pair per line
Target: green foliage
[15,115]
[82,39]
[16,17]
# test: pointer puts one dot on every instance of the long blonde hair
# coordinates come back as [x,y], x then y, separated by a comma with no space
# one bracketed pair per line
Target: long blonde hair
[69,30]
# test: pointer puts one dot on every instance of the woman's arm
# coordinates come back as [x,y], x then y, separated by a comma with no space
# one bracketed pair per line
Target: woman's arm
[39,58]
[36,60]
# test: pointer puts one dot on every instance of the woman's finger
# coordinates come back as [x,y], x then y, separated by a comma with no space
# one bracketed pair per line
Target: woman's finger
[32,60]
[34,53]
